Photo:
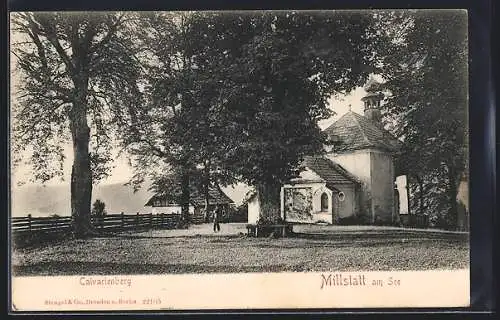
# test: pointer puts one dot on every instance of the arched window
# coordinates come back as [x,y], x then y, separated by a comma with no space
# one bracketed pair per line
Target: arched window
[324,202]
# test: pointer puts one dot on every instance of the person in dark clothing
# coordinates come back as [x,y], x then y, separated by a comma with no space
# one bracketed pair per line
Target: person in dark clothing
[217,217]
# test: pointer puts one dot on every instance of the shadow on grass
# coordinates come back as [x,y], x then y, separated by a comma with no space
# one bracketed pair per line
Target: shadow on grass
[389,235]
[146,236]
[372,243]
[356,238]
[322,235]
[108,268]
[39,241]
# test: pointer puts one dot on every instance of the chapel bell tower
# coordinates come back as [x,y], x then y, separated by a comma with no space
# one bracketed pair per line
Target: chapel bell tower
[372,101]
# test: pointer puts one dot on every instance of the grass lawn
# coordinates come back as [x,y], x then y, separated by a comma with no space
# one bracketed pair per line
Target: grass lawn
[312,249]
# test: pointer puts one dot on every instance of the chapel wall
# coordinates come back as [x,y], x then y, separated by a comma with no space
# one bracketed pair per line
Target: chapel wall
[382,191]
[347,207]
[253,210]
[358,163]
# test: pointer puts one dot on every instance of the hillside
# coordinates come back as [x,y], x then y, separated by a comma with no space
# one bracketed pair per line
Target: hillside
[47,200]
[55,199]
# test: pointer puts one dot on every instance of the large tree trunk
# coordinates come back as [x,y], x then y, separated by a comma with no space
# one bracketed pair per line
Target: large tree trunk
[463,204]
[452,195]
[185,195]
[421,194]
[269,196]
[206,188]
[81,174]
[206,195]
[408,204]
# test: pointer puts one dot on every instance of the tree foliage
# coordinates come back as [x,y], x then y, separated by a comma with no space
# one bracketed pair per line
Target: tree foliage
[426,75]
[283,78]
[238,96]
[180,126]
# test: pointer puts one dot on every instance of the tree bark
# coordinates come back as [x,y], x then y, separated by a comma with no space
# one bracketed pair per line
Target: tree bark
[408,195]
[206,188]
[81,174]
[185,195]
[269,196]
[452,195]
[205,217]
[420,194]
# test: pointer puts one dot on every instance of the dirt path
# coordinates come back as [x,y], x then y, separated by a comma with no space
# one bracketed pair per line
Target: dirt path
[205,229]
[235,229]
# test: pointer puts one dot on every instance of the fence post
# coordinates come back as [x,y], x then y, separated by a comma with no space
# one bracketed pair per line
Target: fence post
[29,223]
[122,224]
[137,221]
[162,220]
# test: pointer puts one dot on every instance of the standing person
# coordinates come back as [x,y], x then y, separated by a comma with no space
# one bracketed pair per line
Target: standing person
[205,215]
[217,216]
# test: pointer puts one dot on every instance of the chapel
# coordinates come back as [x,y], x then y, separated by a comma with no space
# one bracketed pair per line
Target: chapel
[354,180]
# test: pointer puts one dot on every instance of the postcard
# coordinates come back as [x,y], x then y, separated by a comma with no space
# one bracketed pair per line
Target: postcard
[239,160]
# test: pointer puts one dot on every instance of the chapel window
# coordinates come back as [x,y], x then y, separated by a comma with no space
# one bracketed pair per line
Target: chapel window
[324,202]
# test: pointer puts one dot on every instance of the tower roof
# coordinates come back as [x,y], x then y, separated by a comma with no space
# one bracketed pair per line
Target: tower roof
[376,95]
[372,85]
[354,132]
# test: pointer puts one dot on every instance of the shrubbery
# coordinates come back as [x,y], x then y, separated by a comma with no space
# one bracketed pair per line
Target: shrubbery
[99,208]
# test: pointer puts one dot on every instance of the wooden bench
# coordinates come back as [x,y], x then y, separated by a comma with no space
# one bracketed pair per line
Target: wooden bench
[282,229]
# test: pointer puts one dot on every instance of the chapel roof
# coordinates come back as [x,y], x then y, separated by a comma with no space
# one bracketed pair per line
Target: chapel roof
[354,132]
[330,171]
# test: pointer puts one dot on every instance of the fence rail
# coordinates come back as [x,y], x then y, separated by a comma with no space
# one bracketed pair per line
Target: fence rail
[107,223]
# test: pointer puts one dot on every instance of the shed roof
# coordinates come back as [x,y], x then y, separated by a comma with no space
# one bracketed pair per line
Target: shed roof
[354,131]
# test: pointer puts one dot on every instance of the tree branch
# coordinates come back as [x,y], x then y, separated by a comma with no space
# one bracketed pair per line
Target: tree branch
[63,98]
[155,149]
[51,35]
[33,124]
[112,30]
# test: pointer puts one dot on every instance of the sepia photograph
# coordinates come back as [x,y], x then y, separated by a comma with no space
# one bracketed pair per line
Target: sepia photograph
[239,159]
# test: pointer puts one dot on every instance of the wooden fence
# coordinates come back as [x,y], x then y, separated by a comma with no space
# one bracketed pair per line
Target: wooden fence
[107,223]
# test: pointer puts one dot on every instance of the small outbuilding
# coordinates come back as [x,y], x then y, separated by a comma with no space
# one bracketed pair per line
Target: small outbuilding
[170,204]
[324,192]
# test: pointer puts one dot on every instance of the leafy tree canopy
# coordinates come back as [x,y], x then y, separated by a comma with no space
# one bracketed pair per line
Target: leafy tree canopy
[426,77]
[78,77]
